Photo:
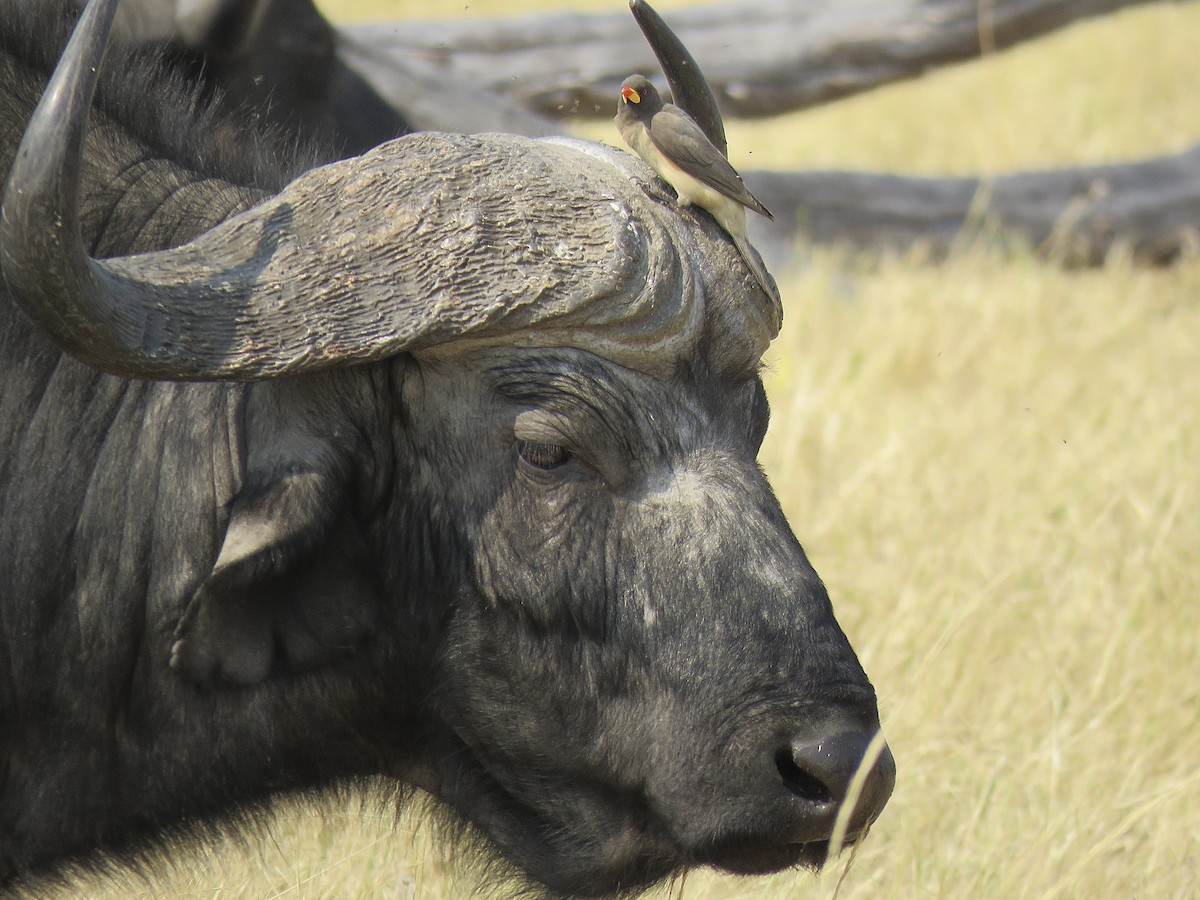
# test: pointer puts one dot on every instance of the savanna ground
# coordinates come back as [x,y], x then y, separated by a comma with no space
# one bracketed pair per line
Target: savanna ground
[994,464]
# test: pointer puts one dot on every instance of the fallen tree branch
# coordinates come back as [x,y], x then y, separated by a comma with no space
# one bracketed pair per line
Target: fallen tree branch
[1074,215]
[762,57]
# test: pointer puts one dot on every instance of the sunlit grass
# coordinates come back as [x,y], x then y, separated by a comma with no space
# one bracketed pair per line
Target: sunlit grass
[991,463]
[995,466]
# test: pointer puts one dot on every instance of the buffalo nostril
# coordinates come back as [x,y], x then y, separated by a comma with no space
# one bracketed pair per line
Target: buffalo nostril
[824,790]
[803,784]
[822,772]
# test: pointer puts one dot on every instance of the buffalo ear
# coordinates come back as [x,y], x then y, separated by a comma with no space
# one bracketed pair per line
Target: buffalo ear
[291,589]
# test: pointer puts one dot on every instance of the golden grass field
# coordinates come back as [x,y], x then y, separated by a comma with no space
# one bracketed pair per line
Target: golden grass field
[994,464]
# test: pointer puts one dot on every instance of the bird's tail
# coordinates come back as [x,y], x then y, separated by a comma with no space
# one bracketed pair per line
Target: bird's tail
[759,271]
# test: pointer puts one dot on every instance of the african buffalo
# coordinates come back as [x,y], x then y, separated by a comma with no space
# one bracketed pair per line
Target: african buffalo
[437,463]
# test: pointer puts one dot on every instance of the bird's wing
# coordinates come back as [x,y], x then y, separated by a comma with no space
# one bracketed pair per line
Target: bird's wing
[680,139]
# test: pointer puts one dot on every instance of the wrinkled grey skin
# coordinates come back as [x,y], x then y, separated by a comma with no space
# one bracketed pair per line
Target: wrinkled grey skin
[552,589]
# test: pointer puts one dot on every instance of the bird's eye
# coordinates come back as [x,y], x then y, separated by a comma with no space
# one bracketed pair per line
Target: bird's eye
[543,456]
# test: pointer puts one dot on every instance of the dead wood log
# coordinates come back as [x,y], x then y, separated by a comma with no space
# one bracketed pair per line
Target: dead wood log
[762,57]
[1076,215]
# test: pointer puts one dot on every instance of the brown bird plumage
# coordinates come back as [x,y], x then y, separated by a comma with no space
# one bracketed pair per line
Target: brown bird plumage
[677,149]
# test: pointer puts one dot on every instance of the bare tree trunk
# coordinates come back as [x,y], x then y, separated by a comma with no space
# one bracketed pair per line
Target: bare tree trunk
[762,57]
[1074,215]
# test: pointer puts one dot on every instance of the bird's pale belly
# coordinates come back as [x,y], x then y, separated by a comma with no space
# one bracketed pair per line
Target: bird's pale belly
[729,214]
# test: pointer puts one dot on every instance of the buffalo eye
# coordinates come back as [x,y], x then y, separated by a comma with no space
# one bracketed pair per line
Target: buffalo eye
[542,456]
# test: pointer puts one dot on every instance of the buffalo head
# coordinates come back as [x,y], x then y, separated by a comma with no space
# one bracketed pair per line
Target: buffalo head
[497,529]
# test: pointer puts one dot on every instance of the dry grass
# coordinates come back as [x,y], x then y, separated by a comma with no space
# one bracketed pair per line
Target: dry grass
[994,465]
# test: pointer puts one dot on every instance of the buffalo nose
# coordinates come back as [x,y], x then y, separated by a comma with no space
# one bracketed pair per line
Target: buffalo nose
[789,819]
[821,771]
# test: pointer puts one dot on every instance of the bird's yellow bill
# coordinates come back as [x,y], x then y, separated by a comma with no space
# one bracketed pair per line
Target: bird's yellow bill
[630,95]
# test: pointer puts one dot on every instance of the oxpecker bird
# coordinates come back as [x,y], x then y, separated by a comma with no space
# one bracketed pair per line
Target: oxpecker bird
[677,149]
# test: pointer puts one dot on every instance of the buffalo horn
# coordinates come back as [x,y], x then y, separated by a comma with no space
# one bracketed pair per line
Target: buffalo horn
[690,90]
[432,240]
